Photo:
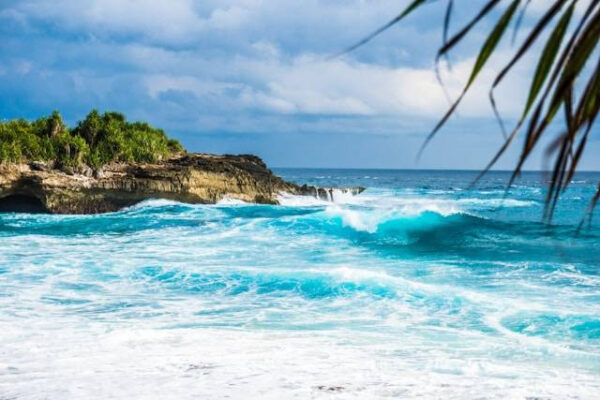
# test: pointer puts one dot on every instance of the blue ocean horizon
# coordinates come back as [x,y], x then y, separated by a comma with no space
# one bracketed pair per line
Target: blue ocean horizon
[419,286]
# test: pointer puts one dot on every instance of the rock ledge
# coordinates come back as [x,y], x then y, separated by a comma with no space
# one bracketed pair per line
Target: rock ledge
[191,178]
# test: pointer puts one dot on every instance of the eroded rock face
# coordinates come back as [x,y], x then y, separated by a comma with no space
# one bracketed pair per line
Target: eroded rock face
[192,178]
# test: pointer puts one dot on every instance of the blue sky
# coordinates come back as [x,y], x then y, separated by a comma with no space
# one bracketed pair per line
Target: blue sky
[252,76]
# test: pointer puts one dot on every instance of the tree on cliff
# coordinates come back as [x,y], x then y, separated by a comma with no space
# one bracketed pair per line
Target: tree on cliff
[97,140]
[566,80]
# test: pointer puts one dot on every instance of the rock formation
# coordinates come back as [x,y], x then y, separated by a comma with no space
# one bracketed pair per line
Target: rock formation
[191,178]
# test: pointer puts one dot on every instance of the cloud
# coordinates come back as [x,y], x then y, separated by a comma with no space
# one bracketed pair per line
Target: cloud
[156,20]
[242,67]
[293,26]
[309,84]
[142,41]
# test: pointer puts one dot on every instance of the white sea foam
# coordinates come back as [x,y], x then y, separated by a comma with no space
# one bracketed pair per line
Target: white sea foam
[360,221]
[269,302]
[230,201]
[150,203]
[401,204]
[213,364]
[290,200]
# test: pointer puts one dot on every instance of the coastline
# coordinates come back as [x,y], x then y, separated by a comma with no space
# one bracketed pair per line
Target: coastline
[188,178]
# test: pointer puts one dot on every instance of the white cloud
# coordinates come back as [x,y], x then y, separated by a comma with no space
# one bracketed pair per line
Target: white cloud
[170,22]
[255,56]
[249,66]
[309,84]
[329,24]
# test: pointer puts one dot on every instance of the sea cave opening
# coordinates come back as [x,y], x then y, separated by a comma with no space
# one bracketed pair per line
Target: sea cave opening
[22,203]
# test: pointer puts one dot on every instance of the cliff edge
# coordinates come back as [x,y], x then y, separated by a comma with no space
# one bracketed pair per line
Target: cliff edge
[190,178]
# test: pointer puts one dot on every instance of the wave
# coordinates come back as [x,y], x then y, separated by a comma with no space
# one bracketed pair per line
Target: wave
[397,229]
[376,219]
[392,217]
[387,220]
[552,325]
[276,282]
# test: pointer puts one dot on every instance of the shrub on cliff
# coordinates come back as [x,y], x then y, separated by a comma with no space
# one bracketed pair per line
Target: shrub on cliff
[96,141]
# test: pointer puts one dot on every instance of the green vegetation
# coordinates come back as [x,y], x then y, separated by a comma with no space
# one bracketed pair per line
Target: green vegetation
[97,140]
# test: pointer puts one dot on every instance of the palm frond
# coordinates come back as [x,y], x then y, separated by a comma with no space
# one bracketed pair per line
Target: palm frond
[447,18]
[519,21]
[411,7]
[484,54]
[543,68]
[560,70]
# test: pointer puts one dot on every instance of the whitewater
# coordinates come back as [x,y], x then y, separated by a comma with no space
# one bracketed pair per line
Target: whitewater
[419,287]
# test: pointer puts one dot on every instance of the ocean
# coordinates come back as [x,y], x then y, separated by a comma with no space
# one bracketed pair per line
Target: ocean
[420,287]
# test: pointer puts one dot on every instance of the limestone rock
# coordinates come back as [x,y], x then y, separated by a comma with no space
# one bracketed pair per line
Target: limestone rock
[190,178]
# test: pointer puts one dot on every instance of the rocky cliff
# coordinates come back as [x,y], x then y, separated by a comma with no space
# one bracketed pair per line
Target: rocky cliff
[191,178]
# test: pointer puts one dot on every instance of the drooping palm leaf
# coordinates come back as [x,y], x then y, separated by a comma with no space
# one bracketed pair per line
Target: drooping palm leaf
[590,210]
[548,56]
[484,54]
[411,7]
[543,68]
[447,19]
[519,21]
[454,40]
[547,59]
[575,55]
[559,75]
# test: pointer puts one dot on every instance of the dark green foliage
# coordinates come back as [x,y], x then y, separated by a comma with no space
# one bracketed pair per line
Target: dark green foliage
[96,141]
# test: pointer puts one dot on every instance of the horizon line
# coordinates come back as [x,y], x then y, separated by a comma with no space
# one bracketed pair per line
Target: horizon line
[426,169]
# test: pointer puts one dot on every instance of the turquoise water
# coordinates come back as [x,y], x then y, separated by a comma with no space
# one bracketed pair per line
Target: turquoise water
[418,287]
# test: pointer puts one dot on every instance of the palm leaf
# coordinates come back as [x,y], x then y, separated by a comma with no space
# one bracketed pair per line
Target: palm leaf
[447,18]
[484,54]
[581,53]
[519,21]
[530,140]
[558,72]
[461,34]
[548,55]
[546,60]
[408,10]
[590,210]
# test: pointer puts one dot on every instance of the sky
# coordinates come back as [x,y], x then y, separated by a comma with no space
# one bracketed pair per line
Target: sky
[256,76]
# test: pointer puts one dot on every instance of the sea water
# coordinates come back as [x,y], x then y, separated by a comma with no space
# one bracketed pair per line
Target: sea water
[420,287]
